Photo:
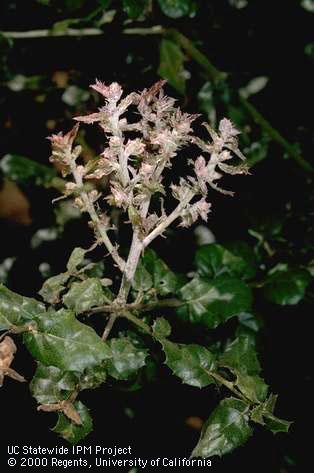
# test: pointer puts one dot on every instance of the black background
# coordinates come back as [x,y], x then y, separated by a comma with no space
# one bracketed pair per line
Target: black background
[266,38]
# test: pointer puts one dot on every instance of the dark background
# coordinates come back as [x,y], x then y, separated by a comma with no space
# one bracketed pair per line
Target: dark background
[263,39]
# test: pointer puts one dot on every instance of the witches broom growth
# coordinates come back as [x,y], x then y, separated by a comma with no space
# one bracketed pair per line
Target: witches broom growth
[143,134]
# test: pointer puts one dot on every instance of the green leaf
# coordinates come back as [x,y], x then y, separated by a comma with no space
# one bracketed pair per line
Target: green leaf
[286,287]
[142,280]
[93,377]
[191,363]
[135,8]
[52,288]
[22,170]
[126,359]
[263,414]
[62,341]
[275,424]
[212,303]
[84,295]
[178,8]
[253,387]
[171,65]
[76,258]
[164,281]
[241,358]
[51,385]
[214,260]
[161,328]
[71,432]
[249,321]
[16,309]
[226,429]
[240,354]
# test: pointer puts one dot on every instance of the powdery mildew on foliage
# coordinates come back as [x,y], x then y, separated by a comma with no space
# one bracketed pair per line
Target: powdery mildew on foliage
[143,133]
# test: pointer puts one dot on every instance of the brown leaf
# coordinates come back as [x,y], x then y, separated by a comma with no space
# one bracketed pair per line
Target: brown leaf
[7,352]
[63,406]
[70,411]
[14,204]
[194,422]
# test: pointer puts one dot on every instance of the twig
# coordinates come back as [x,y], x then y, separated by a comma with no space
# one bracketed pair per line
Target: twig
[93,214]
[109,326]
[136,306]
[140,323]
[51,33]
[228,384]
[168,220]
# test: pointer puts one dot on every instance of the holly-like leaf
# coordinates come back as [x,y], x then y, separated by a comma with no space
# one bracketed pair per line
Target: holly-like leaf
[52,288]
[286,286]
[240,354]
[62,341]
[171,65]
[126,359]
[264,414]
[249,321]
[93,377]
[76,258]
[226,429]
[142,280]
[275,424]
[192,363]
[241,358]
[50,384]
[178,8]
[164,280]
[214,302]
[161,328]
[214,260]
[84,295]
[70,431]
[253,387]
[16,309]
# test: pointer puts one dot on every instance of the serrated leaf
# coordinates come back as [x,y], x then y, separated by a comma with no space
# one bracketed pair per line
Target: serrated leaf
[253,387]
[126,359]
[214,302]
[71,432]
[226,429]
[171,65]
[142,280]
[161,328]
[241,358]
[93,377]
[50,384]
[16,309]
[84,295]
[178,8]
[164,281]
[275,424]
[263,414]
[76,258]
[61,340]
[286,286]
[192,363]
[213,260]
[240,354]
[52,288]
